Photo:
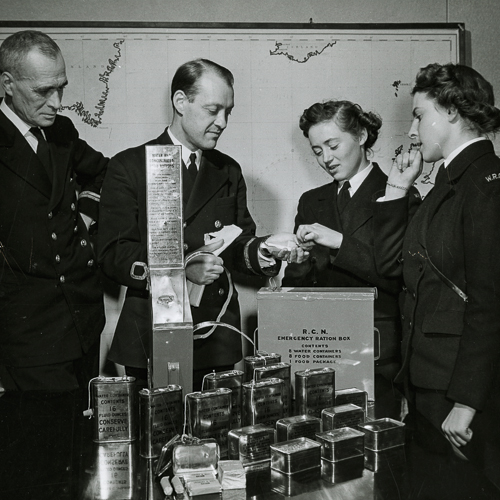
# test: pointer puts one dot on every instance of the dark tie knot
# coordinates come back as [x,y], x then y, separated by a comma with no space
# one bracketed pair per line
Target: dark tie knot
[192,169]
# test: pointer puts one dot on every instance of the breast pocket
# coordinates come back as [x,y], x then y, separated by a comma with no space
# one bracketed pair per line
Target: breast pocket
[449,322]
[225,210]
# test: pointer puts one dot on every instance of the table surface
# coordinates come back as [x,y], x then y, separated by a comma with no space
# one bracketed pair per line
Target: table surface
[39,459]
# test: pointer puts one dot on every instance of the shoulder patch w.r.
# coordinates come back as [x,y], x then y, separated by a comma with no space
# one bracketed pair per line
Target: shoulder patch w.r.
[492,177]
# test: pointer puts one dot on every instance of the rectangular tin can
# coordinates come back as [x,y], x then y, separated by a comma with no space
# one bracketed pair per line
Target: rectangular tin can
[352,396]
[251,443]
[343,470]
[209,415]
[263,401]
[314,391]
[282,371]
[389,459]
[195,456]
[114,409]
[383,433]
[261,358]
[342,416]
[340,444]
[115,471]
[300,483]
[298,426]
[296,455]
[231,379]
[160,417]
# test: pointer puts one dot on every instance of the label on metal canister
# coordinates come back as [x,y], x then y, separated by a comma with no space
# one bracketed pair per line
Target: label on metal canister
[261,358]
[114,409]
[160,416]
[314,391]
[282,371]
[342,416]
[251,443]
[263,401]
[231,379]
[209,415]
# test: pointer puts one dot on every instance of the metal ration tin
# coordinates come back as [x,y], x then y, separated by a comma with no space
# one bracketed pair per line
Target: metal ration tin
[314,390]
[342,416]
[340,444]
[296,455]
[115,466]
[114,409]
[352,396]
[263,401]
[160,417]
[231,379]
[292,485]
[344,470]
[195,456]
[388,459]
[261,358]
[282,371]
[298,426]
[209,415]
[251,443]
[383,433]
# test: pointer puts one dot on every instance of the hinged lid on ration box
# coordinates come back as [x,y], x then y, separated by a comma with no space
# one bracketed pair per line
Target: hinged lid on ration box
[321,327]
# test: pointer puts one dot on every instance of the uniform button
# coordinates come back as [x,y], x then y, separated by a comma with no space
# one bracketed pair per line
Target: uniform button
[221,291]
[62,279]
[402,317]
[73,207]
[184,225]
[185,246]
[90,263]
[83,243]
[414,295]
[218,224]
[410,324]
[54,236]
[49,215]
[75,229]
[58,258]
[71,179]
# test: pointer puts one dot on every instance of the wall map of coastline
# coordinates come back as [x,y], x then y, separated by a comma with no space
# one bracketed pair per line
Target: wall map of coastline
[118,93]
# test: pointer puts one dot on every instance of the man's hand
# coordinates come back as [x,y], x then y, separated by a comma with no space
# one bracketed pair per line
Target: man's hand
[284,246]
[318,234]
[456,425]
[205,269]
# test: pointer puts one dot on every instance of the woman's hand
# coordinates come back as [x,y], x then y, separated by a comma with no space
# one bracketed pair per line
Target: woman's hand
[456,425]
[320,235]
[404,171]
[206,268]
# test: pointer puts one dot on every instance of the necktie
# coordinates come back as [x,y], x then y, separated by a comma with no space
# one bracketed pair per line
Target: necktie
[42,150]
[441,175]
[344,196]
[189,176]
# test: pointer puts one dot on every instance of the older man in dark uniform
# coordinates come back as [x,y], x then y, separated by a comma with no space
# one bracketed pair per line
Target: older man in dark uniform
[215,196]
[51,303]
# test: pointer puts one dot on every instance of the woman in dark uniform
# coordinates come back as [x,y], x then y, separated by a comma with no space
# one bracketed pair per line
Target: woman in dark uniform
[337,217]
[449,257]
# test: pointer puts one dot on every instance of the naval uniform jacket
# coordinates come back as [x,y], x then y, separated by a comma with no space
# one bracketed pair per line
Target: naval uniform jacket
[352,265]
[450,344]
[218,199]
[51,302]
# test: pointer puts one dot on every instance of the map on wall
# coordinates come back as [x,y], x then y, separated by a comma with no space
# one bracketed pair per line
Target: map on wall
[118,93]
[118,96]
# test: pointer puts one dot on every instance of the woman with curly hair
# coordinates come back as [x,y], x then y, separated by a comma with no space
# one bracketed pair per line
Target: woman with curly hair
[337,219]
[448,256]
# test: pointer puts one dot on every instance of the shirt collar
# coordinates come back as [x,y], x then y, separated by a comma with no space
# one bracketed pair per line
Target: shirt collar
[457,151]
[20,124]
[186,152]
[356,180]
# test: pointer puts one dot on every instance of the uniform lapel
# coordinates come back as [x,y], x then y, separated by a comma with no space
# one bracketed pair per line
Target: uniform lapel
[359,210]
[60,158]
[17,155]
[209,180]
[327,213]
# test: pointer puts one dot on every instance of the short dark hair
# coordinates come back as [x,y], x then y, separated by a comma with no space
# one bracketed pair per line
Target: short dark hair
[16,47]
[463,88]
[349,117]
[187,76]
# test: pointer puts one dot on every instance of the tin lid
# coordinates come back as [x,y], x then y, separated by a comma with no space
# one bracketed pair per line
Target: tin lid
[344,408]
[264,382]
[297,419]
[295,445]
[380,425]
[314,371]
[160,390]
[222,375]
[209,393]
[195,456]
[340,434]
